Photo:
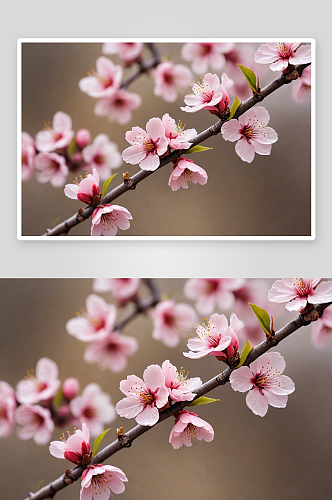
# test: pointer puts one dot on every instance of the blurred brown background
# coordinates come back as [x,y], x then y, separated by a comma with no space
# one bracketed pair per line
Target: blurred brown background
[269,197]
[286,454]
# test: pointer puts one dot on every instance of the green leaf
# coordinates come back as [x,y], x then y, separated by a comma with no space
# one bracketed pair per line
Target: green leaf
[56,222]
[106,184]
[263,318]
[245,353]
[97,442]
[196,149]
[58,398]
[72,147]
[202,401]
[40,484]
[249,76]
[236,104]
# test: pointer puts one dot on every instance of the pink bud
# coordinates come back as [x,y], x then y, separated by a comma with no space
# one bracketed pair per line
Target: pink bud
[70,388]
[82,138]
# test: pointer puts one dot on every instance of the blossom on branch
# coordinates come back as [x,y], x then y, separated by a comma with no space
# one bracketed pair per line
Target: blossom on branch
[75,448]
[206,54]
[118,106]
[176,135]
[172,321]
[111,352]
[265,382]
[35,422]
[104,81]
[210,293]
[322,329]
[123,289]
[57,136]
[52,168]
[87,190]
[185,173]
[128,51]
[102,155]
[179,386]
[302,86]
[106,219]
[251,133]
[7,408]
[189,427]
[28,153]
[282,54]
[209,94]
[98,481]
[170,79]
[40,386]
[297,292]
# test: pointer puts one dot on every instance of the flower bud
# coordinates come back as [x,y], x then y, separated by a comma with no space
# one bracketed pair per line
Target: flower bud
[82,138]
[70,388]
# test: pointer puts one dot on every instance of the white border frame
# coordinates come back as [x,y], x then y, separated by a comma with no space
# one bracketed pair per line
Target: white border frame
[312,41]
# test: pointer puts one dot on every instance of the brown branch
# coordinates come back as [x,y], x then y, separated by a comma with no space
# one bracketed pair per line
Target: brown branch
[126,440]
[64,227]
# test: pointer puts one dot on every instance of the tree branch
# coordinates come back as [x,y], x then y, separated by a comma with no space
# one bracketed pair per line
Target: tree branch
[65,226]
[126,440]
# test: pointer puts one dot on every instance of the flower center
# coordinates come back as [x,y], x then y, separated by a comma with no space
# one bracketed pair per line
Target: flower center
[188,177]
[201,90]
[149,145]
[108,220]
[303,288]
[99,484]
[147,397]
[284,52]
[191,431]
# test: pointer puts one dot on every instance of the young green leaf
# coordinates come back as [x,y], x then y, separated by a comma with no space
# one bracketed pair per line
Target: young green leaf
[263,318]
[98,441]
[236,104]
[245,353]
[202,401]
[40,484]
[106,184]
[249,76]
[72,147]
[196,149]
[58,398]
[56,222]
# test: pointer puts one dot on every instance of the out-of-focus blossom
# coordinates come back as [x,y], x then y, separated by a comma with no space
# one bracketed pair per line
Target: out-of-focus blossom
[172,321]
[40,386]
[146,147]
[185,173]
[98,481]
[302,86]
[242,53]
[322,329]
[35,422]
[52,168]
[177,137]
[214,337]
[93,408]
[179,386]
[297,292]
[74,448]
[205,55]
[93,323]
[70,388]
[189,427]
[281,54]
[128,51]
[28,152]
[251,133]
[104,81]
[111,353]
[210,293]
[144,398]
[208,94]
[123,289]
[82,138]
[118,106]
[102,155]
[7,408]
[57,136]
[106,219]
[87,190]
[265,382]
[170,80]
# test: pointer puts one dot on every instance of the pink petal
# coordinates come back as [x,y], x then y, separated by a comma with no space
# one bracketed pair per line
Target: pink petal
[245,150]
[231,130]
[257,402]
[149,416]
[153,377]
[240,379]
[129,408]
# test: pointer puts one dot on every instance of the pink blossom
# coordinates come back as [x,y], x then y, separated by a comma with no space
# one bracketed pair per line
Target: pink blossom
[251,133]
[209,94]
[322,329]
[93,323]
[39,386]
[242,53]
[82,138]
[177,137]
[104,81]
[189,427]
[205,55]
[7,408]
[297,292]
[128,51]
[210,293]
[265,383]
[35,422]
[302,86]
[186,173]
[170,79]
[172,321]
[99,480]
[118,106]
[28,152]
[123,289]
[282,54]
[52,168]
[70,388]
[93,408]
[57,136]
[143,398]
[214,337]
[74,448]
[106,219]
[146,147]
[111,353]
[102,155]
[87,190]
[179,386]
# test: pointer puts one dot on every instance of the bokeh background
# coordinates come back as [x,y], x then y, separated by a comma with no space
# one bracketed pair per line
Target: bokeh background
[286,454]
[269,197]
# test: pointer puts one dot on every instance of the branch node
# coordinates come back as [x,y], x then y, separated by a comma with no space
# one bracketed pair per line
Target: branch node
[257,96]
[128,182]
[270,339]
